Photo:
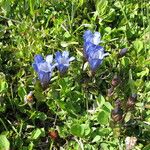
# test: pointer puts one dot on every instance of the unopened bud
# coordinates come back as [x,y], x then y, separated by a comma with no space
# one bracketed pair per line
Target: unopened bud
[53,134]
[122,52]
[118,103]
[134,96]
[110,91]
[117,114]
[131,101]
[115,81]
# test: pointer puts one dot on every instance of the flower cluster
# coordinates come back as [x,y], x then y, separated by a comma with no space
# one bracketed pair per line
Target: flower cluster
[93,53]
[44,68]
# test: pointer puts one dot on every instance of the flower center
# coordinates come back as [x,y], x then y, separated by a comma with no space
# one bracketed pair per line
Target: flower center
[63,60]
[98,55]
[44,67]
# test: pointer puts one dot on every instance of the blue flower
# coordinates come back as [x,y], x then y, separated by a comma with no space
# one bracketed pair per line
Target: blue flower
[44,68]
[88,47]
[93,53]
[92,38]
[96,56]
[62,60]
[90,41]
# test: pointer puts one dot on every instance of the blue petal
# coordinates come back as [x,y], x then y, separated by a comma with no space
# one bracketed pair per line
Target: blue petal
[65,54]
[44,66]
[96,38]
[38,59]
[90,37]
[58,57]
[35,67]
[88,47]
[62,68]
[49,59]
[44,78]
[99,48]
[94,63]
[96,52]
[87,36]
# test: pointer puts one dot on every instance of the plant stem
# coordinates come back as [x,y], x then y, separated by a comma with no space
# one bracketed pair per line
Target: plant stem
[51,146]
[3,124]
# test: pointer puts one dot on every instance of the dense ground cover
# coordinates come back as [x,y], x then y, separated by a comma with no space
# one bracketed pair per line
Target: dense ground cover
[106,109]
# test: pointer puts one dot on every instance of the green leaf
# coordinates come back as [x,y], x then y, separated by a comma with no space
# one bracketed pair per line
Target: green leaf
[64,44]
[31,145]
[42,116]
[20,73]
[80,3]
[143,73]
[87,129]
[38,115]
[96,138]
[21,92]
[101,6]
[31,7]
[128,116]
[125,61]
[36,134]
[67,34]
[108,29]
[4,143]
[138,45]
[104,131]
[100,100]
[104,146]
[108,105]
[147,147]
[3,83]
[117,4]
[77,130]
[103,118]
[111,15]
[3,86]
[61,104]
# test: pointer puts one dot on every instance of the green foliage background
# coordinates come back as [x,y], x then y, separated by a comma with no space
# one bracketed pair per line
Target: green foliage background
[76,105]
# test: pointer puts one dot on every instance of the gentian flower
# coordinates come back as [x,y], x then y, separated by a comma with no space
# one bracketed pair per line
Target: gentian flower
[96,57]
[88,46]
[44,68]
[62,60]
[92,38]
[93,53]
[90,41]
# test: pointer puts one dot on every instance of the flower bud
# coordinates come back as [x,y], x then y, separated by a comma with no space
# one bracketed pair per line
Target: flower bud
[110,91]
[131,101]
[117,114]
[115,81]
[122,52]
[118,103]
[53,134]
